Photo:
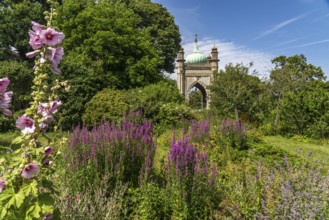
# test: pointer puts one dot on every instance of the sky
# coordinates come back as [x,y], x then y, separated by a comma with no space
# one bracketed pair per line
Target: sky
[255,31]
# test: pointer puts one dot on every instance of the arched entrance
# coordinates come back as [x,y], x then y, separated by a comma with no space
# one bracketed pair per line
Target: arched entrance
[197,96]
[196,72]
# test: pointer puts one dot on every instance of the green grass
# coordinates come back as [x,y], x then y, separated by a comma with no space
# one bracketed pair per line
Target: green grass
[320,150]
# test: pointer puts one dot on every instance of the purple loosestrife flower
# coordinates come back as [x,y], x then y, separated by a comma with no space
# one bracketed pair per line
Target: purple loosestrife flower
[26,124]
[30,170]
[2,184]
[48,150]
[51,37]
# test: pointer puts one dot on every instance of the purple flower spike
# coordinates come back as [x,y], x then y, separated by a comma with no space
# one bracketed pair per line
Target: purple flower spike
[2,184]
[48,217]
[51,37]
[48,150]
[30,170]
[26,124]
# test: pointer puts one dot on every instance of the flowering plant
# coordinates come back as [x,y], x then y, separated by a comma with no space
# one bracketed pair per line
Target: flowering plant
[26,184]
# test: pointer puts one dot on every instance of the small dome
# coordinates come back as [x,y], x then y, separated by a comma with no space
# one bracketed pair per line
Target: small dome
[196,56]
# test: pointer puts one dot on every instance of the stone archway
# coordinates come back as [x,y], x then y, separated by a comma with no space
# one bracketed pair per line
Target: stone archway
[204,93]
[198,71]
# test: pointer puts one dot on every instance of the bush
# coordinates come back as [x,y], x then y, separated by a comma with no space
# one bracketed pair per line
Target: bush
[108,104]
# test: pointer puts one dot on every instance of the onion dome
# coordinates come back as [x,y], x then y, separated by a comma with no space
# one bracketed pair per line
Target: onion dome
[196,56]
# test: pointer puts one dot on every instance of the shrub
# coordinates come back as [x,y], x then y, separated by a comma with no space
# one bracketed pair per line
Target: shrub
[108,104]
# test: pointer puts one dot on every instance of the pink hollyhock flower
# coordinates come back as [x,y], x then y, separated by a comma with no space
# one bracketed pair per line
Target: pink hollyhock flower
[35,40]
[36,27]
[51,37]
[4,82]
[26,124]
[30,170]
[2,184]
[54,105]
[46,162]
[43,109]
[54,69]
[48,150]
[55,55]
[5,99]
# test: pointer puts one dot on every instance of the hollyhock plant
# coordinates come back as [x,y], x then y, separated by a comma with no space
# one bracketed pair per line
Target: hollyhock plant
[51,37]
[26,124]
[2,184]
[30,170]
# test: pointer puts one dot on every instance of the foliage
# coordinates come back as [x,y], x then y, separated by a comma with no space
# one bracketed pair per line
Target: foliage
[95,202]
[21,75]
[173,115]
[160,25]
[234,92]
[15,21]
[152,98]
[108,104]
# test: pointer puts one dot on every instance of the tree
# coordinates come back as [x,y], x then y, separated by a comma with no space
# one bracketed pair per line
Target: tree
[291,74]
[160,24]
[15,21]
[235,92]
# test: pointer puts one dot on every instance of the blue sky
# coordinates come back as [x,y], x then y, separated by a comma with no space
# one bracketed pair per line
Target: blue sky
[255,30]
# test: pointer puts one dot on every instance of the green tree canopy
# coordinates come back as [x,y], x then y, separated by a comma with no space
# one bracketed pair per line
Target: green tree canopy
[235,92]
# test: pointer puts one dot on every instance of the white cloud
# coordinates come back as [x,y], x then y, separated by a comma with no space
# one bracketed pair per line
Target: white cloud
[279,26]
[229,52]
[308,44]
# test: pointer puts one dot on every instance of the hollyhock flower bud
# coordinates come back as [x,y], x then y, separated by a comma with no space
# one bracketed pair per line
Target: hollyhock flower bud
[46,162]
[51,37]
[5,99]
[48,217]
[30,170]
[54,69]
[26,124]
[4,82]
[2,184]
[31,54]
[48,150]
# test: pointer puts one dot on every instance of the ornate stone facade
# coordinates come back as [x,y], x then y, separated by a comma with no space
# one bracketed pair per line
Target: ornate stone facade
[196,72]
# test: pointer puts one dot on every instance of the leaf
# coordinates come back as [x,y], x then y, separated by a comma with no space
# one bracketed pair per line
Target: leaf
[31,189]
[33,211]
[3,213]
[16,200]
[17,140]
[6,194]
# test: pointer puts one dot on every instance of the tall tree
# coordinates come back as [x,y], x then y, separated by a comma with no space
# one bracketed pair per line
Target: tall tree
[235,91]
[291,74]
[160,24]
